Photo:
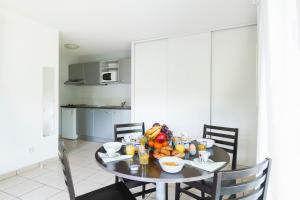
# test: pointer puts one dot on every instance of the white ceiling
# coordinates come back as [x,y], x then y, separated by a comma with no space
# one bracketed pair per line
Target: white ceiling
[104,26]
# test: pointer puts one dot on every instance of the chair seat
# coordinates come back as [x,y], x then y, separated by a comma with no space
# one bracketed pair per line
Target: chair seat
[117,191]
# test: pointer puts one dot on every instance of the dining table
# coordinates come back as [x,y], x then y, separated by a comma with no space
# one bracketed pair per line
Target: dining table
[153,173]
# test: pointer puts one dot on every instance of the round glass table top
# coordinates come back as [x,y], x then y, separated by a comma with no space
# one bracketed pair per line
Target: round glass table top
[153,172]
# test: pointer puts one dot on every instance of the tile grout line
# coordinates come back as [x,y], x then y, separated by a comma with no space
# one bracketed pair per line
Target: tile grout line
[81,155]
[42,185]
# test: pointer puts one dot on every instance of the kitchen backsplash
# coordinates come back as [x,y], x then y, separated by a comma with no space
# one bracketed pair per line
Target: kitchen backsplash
[101,95]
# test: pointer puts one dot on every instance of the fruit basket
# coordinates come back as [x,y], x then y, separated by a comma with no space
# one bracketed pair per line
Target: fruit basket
[160,141]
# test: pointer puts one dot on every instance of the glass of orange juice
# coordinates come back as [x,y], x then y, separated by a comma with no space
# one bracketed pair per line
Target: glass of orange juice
[202,146]
[130,150]
[144,156]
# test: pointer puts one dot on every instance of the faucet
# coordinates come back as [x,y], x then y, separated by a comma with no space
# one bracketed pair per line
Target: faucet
[123,103]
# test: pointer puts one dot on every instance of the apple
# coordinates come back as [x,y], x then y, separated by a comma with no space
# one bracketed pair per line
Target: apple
[161,137]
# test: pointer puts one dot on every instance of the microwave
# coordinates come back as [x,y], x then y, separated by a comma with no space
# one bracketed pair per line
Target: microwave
[107,77]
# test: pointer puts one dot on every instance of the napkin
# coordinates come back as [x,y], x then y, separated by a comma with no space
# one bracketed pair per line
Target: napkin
[107,159]
[209,166]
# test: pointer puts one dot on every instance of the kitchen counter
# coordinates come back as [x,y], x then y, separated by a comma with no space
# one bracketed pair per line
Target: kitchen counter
[96,122]
[97,107]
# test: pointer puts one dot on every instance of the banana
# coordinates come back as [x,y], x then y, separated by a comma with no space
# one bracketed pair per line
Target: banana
[152,130]
[155,133]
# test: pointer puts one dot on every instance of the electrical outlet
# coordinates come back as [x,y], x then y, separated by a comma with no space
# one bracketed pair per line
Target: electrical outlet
[31,149]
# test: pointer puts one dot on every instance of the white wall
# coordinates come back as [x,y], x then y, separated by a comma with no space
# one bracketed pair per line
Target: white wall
[26,47]
[94,95]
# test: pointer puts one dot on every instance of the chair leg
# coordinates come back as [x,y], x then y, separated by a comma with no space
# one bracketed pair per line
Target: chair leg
[116,179]
[143,189]
[202,194]
[167,192]
[177,191]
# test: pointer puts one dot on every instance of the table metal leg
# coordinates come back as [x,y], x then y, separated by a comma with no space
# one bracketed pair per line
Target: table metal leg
[160,191]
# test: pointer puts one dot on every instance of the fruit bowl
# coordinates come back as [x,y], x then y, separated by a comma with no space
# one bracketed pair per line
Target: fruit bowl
[158,136]
[171,164]
[112,148]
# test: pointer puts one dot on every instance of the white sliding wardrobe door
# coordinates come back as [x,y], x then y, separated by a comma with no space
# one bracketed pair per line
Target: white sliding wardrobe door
[234,86]
[150,82]
[188,84]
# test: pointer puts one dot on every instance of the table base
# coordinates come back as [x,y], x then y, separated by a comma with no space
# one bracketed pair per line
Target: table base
[160,191]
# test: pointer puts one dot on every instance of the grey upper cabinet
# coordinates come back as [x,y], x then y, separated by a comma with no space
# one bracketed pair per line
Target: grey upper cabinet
[76,71]
[84,74]
[103,124]
[85,122]
[91,73]
[125,70]
[76,74]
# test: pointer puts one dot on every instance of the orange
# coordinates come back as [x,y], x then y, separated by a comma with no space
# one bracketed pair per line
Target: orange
[157,145]
[165,143]
[151,143]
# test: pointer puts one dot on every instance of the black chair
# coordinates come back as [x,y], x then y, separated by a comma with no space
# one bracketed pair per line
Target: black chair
[120,131]
[224,137]
[252,184]
[117,191]
[123,129]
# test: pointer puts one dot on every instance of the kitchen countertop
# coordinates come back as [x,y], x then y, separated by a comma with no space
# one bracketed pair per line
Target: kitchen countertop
[97,107]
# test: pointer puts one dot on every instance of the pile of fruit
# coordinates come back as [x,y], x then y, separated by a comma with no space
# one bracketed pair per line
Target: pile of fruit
[159,136]
[160,139]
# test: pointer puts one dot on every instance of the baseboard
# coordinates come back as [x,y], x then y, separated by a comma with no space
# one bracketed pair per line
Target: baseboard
[45,162]
[27,168]
[8,175]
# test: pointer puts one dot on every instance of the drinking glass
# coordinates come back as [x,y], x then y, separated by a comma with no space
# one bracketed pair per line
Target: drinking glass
[130,150]
[202,146]
[144,156]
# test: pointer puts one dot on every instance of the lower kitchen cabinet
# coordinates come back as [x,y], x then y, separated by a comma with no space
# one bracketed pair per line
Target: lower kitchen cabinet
[85,120]
[98,124]
[121,116]
[103,124]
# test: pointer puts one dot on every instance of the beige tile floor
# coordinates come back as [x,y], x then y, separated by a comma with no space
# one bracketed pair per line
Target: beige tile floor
[47,182]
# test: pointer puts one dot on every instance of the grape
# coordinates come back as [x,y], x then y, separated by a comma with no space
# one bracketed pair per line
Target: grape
[169,134]
[164,128]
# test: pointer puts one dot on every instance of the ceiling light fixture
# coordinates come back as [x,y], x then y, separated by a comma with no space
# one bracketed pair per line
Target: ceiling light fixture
[71,46]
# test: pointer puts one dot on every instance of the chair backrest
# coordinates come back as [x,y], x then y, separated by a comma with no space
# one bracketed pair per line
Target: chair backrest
[122,129]
[225,137]
[251,182]
[66,169]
